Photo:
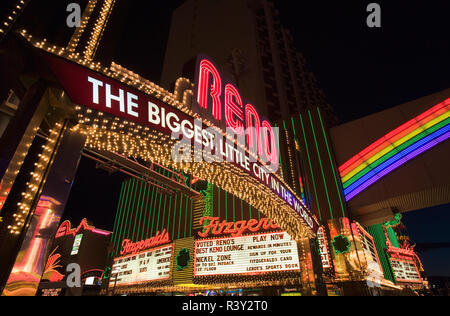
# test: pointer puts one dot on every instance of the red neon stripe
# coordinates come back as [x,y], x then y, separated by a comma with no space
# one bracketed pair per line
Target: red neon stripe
[391,134]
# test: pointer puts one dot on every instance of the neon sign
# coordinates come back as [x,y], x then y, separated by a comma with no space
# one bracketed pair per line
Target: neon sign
[66,229]
[224,101]
[246,255]
[129,247]
[234,229]
[323,248]
[146,266]
[106,95]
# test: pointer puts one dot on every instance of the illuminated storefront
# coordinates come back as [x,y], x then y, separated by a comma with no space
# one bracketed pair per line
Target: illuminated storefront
[84,245]
[401,264]
[214,244]
[220,201]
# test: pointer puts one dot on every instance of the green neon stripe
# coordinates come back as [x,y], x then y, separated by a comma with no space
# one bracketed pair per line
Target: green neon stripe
[302,190]
[151,209]
[122,220]
[293,127]
[145,223]
[154,211]
[192,219]
[310,167]
[280,158]
[181,210]
[133,210]
[168,213]
[174,216]
[226,206]
[186,217]
[395,151]
[250,210]
[164,212]
[118,213]
[321,166]
[212,200]
[160,203]
[140,184]
[234,208]
[159,211]
[379,238]
[218,197]
[242,210]
[129,210]
[339,191]
[393,237]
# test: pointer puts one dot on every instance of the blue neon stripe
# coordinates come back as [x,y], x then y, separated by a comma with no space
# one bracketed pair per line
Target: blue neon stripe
[386,164]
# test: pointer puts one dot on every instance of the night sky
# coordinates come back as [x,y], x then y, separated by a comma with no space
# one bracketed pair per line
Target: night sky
[361,70]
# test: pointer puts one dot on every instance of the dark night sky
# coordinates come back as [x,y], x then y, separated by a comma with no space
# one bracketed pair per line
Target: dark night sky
[361,70]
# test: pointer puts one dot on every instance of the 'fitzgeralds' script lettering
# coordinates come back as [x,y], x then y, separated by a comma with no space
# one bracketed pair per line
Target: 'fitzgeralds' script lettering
[129,247]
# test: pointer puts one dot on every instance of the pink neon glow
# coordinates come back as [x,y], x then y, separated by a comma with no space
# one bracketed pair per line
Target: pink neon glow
[270,145]
[101,232]
[207,69]
[233,108]
[253,127]
[66,229]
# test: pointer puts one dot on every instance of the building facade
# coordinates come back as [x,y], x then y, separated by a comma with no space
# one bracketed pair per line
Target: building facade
[199,227]
[255,49]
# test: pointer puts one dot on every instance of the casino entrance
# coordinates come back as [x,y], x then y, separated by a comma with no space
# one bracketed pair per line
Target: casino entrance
[179,226]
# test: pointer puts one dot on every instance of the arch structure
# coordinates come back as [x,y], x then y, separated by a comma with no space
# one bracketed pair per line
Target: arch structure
[117,111]
[403,166]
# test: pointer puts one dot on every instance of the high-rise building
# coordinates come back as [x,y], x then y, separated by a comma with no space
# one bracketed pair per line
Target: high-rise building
[247,40]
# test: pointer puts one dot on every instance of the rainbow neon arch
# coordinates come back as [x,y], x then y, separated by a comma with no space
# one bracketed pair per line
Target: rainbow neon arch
[395,149]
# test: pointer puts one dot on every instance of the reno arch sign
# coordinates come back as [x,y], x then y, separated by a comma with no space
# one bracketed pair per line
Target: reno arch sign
[249,142]
[221,101]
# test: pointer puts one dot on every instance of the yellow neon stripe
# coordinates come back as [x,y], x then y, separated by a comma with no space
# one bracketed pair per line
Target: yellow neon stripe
[395,145]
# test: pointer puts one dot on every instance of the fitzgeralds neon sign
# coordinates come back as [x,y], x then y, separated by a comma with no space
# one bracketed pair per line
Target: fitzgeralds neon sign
[129,247]
[224,101]
[235,229]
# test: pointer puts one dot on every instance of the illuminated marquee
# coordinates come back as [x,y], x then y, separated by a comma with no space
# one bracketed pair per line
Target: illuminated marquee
[249,255]
[106,95]
[235,229]
[147,266]
[405,271]
[403,262]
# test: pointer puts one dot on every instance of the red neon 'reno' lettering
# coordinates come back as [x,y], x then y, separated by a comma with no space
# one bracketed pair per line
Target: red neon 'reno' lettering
[207,69]
[270,145]
[253,129]
[233,108]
